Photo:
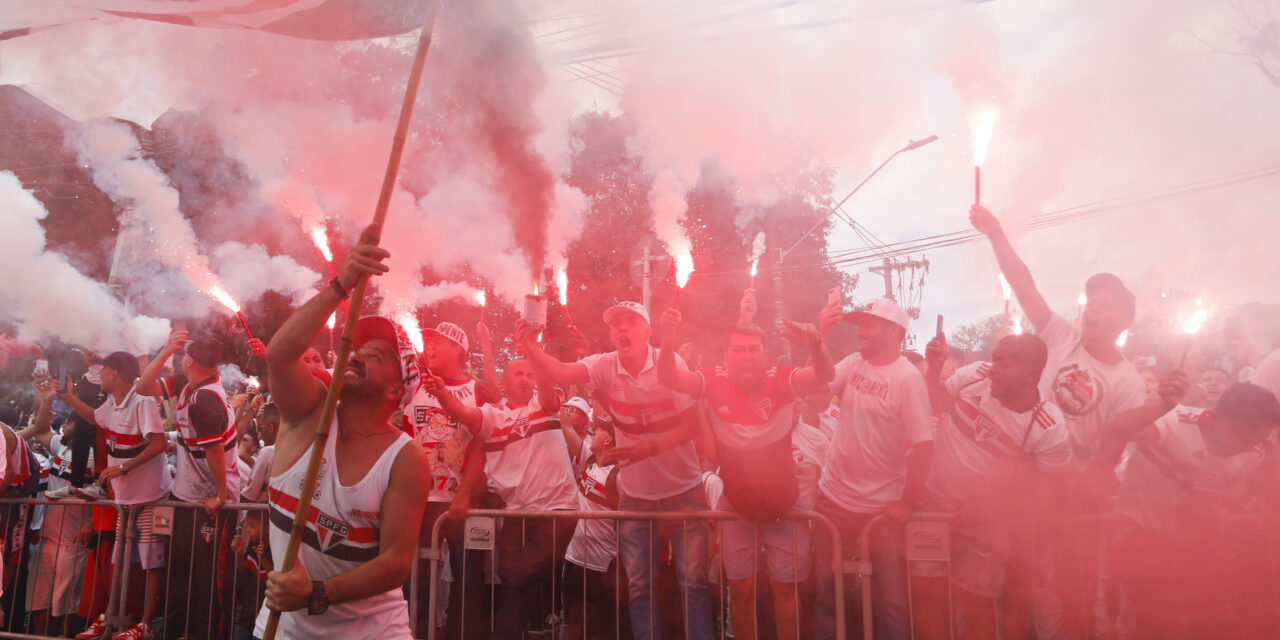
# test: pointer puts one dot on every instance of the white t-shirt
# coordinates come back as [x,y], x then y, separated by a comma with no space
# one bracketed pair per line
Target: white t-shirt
[62,523]
[641,409]
[244,470]
[441,437]
[594,542]
[883,411]
[1089,392]
[1162,475]
[255,490]
[983,448]
[127,426]
[1267,375]
[526,457]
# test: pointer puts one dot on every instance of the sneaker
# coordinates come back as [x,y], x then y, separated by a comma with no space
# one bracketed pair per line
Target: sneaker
[92,492]
[94,631]
[138,631]
[59,494]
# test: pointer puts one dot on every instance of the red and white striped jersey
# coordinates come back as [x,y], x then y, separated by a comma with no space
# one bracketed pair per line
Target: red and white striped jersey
[199,427]
[526,457]
[18,462]
[982,446]
[127,425]
[753,439]
[642,408]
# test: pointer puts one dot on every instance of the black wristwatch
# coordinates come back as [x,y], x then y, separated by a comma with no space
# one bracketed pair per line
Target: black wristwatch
[319,601]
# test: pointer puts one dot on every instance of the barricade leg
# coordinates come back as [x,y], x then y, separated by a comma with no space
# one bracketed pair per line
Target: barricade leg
[195,598]
[638,553]
[690,546]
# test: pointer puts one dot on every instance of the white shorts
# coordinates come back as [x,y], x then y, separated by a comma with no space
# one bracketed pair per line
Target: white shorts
[150,550]
[57,574]
[787,548]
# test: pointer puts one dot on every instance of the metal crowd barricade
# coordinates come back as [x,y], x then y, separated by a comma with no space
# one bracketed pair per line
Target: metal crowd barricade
[435,554]
[117,604]
[1107,601]
[19,579]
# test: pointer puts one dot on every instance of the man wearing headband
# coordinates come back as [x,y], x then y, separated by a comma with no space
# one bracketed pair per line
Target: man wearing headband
[362,532]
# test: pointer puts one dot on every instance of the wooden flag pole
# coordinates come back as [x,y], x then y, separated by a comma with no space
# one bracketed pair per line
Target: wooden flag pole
[353,309]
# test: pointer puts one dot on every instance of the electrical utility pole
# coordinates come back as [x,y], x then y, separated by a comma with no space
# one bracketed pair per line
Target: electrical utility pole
[887,270]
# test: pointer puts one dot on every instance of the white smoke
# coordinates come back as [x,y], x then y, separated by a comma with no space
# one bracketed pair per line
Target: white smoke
[46,298]
[248,271]
[116,161]
[432,293]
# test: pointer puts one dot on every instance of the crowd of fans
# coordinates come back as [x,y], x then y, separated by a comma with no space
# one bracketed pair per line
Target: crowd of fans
[1080,495]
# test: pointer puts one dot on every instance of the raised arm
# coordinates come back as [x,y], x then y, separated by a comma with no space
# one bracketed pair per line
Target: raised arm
[565,373]
[1014,269]
[148,383]
[486,351]
[686,382]
[81,408]
[935,358]
[1129,425]
[467,416]
[296,392]
[40,423]
[820,371]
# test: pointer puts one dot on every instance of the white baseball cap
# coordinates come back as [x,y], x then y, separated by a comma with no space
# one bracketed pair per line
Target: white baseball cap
[451,332]
[882,308]
[580,404]
[626,307]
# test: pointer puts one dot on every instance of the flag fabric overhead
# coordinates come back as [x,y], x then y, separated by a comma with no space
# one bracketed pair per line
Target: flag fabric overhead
[309,19]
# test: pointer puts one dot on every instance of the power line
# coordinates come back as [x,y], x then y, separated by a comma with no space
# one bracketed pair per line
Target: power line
[871,254]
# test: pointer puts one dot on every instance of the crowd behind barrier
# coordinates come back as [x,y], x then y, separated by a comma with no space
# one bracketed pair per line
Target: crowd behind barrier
[1251,542]
[643,493]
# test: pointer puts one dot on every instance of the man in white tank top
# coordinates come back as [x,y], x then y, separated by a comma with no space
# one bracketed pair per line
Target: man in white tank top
[371,492]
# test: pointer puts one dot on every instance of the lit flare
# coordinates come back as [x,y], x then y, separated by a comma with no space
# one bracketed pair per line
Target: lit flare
[321,240]
[983,129]
[409,321]
[221,295]
[684,268]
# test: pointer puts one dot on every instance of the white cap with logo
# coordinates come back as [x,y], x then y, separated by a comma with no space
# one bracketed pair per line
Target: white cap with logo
[451,332]
[580,404]
[626,307]
[882,308]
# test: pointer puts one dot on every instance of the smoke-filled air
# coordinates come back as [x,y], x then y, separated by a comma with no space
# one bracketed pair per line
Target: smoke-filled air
[995,268]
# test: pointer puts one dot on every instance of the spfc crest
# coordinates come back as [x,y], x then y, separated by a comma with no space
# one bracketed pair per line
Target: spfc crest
[330,531]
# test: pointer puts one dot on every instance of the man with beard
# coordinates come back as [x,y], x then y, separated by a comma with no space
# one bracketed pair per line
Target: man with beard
[371,489]
[456,466]
[877,464]
[1090,380]
[752,417]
